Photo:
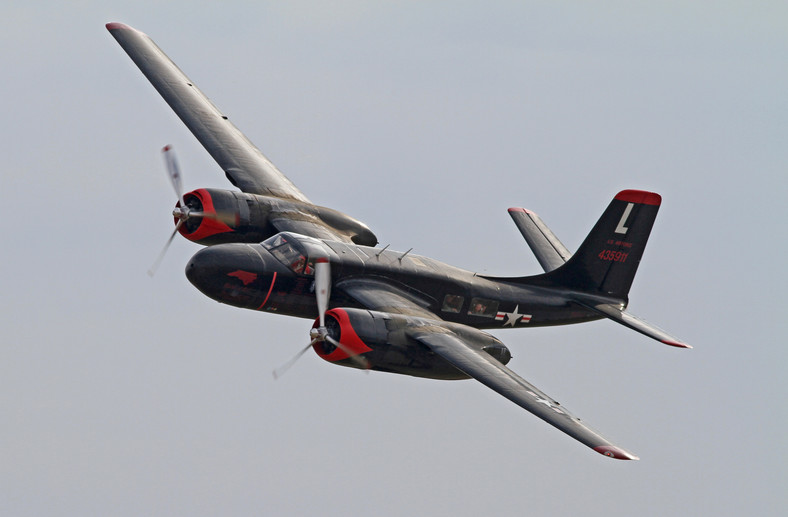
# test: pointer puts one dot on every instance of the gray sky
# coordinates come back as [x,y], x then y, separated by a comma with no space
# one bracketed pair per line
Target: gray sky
[122,395]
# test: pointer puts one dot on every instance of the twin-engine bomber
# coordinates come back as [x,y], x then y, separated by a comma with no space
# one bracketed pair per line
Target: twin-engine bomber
[269,248]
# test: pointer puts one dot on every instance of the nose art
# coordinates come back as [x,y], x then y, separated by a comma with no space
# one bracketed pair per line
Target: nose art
[211,266]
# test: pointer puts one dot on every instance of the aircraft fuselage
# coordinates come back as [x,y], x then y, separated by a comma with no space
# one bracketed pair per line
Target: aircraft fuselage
[254,276]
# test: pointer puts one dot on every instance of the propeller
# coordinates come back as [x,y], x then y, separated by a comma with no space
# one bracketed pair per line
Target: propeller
[320,333]
[182,212]
[173,172]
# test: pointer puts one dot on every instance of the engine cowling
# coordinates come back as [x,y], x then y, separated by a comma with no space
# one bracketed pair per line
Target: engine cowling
[382,340]
[229,217]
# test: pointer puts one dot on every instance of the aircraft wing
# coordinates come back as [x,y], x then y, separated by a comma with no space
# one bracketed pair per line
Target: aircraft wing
[484,368]
[381,296]
[243,163]
[455,343]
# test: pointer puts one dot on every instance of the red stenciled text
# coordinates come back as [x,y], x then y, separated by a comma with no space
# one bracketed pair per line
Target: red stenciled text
[614,256]
[622,244]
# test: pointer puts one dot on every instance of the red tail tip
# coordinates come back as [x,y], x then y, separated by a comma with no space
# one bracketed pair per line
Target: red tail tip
[640,197]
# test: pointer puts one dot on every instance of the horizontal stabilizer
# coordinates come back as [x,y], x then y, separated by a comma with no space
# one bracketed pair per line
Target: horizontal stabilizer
[614,313]
[548,249]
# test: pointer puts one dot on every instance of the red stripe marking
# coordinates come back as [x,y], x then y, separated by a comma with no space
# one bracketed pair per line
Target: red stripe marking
[640,197]
[273,281]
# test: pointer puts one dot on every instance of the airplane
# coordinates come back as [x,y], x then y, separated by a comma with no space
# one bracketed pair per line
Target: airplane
[270,249]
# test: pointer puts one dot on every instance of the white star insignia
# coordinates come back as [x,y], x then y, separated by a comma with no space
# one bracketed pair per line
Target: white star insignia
[513,317]
[540,400]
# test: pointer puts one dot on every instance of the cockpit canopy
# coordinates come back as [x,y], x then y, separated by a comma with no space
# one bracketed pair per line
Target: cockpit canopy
[297,252]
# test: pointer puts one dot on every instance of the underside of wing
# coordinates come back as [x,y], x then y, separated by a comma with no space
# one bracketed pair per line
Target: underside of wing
[378,295]
[471,351]
[486,369]
[243,163]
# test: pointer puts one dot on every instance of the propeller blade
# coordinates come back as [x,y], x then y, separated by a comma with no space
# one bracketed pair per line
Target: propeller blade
[278,372]
[155,266]
[174,173]
[322,287]
[359,360]
[228,218]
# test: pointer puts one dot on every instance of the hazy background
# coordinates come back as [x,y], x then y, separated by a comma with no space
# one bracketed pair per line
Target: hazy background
[125,395]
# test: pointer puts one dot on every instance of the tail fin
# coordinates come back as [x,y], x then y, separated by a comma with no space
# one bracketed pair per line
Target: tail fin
[608,259]
[549,251]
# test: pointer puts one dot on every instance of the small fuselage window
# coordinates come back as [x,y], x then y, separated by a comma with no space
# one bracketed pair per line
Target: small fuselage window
[452,303]
[483,308]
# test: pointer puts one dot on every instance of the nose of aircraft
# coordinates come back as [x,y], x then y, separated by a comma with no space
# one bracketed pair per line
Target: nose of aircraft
[226,272]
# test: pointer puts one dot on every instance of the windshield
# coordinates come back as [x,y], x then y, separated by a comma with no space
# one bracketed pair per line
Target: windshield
[291,253]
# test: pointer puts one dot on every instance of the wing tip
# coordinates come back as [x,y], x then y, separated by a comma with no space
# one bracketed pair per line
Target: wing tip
[612,451]
[517,209]
[111,26]
[677,344]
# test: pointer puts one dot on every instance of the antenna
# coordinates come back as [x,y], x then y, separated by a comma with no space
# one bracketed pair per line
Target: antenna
[403,255]
[377,255]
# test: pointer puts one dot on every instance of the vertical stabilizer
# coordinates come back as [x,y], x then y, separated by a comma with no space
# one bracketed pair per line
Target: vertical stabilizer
[548,250]
[608,259]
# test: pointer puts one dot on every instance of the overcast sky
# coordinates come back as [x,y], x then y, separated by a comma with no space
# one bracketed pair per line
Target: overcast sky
[125,395]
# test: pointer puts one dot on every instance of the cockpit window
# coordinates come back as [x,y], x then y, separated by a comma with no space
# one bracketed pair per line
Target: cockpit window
[275,241]
[290,253]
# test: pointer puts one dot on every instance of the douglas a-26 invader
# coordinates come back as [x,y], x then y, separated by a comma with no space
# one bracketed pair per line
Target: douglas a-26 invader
[269,248]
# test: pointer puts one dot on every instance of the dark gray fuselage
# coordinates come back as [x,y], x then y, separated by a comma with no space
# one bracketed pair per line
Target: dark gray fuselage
[250,276]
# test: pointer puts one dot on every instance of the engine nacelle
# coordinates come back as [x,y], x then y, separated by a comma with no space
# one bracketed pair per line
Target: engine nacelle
[382,341]
[231,216]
